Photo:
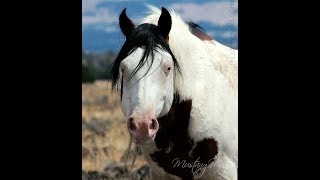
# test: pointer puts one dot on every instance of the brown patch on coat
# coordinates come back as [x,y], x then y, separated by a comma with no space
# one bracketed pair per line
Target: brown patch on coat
[175,146]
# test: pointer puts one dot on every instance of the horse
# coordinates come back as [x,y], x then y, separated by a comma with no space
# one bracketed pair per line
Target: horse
[179,93]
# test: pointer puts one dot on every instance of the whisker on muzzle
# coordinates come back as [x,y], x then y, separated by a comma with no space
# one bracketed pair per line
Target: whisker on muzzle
[134,156]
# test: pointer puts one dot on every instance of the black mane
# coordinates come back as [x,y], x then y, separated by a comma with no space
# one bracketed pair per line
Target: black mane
[193,26]
[198,31]
[146,35]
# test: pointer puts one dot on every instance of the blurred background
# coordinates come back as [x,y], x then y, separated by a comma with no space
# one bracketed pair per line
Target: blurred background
[105,139]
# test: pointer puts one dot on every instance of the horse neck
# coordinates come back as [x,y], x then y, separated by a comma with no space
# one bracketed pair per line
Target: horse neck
[192,57]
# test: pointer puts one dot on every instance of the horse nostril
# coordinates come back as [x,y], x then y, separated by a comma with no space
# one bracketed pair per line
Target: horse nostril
[131,124]
[130,119]
[132,127]
[153,124]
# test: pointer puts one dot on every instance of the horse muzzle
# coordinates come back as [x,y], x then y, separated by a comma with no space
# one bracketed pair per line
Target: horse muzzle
[142,130]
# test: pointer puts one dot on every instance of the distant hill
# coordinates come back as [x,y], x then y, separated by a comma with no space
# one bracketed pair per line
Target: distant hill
[98,64]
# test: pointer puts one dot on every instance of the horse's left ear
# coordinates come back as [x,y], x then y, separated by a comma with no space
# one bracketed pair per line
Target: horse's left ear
[164,23]
[126,25]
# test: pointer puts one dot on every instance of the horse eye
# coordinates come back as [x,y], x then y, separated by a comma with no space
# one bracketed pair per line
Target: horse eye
[122,70]
[169,68]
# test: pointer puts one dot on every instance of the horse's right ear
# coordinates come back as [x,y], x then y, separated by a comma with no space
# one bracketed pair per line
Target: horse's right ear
[126,25]
[164,23]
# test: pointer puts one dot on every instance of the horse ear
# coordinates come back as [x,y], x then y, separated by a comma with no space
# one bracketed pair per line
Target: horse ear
[164,23]
[126,25]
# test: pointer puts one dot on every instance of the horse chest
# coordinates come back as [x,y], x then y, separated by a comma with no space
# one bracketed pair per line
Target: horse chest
[177,153]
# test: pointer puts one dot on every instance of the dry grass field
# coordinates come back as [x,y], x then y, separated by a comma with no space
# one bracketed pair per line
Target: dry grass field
[105,138]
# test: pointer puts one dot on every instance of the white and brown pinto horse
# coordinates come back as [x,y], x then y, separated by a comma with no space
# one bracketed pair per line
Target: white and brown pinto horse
[179,93]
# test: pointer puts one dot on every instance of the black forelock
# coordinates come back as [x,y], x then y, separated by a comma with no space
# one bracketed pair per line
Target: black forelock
[144,35]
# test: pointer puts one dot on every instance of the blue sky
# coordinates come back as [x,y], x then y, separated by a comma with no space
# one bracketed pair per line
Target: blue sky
[101,32]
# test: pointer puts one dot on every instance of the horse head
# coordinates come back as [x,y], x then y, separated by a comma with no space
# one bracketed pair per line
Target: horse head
[144,73]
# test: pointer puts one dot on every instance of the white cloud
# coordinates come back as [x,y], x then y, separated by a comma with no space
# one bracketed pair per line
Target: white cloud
[100,16]
[228,34]
[92,15]
[110,29]
[220,13]
[90,5]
